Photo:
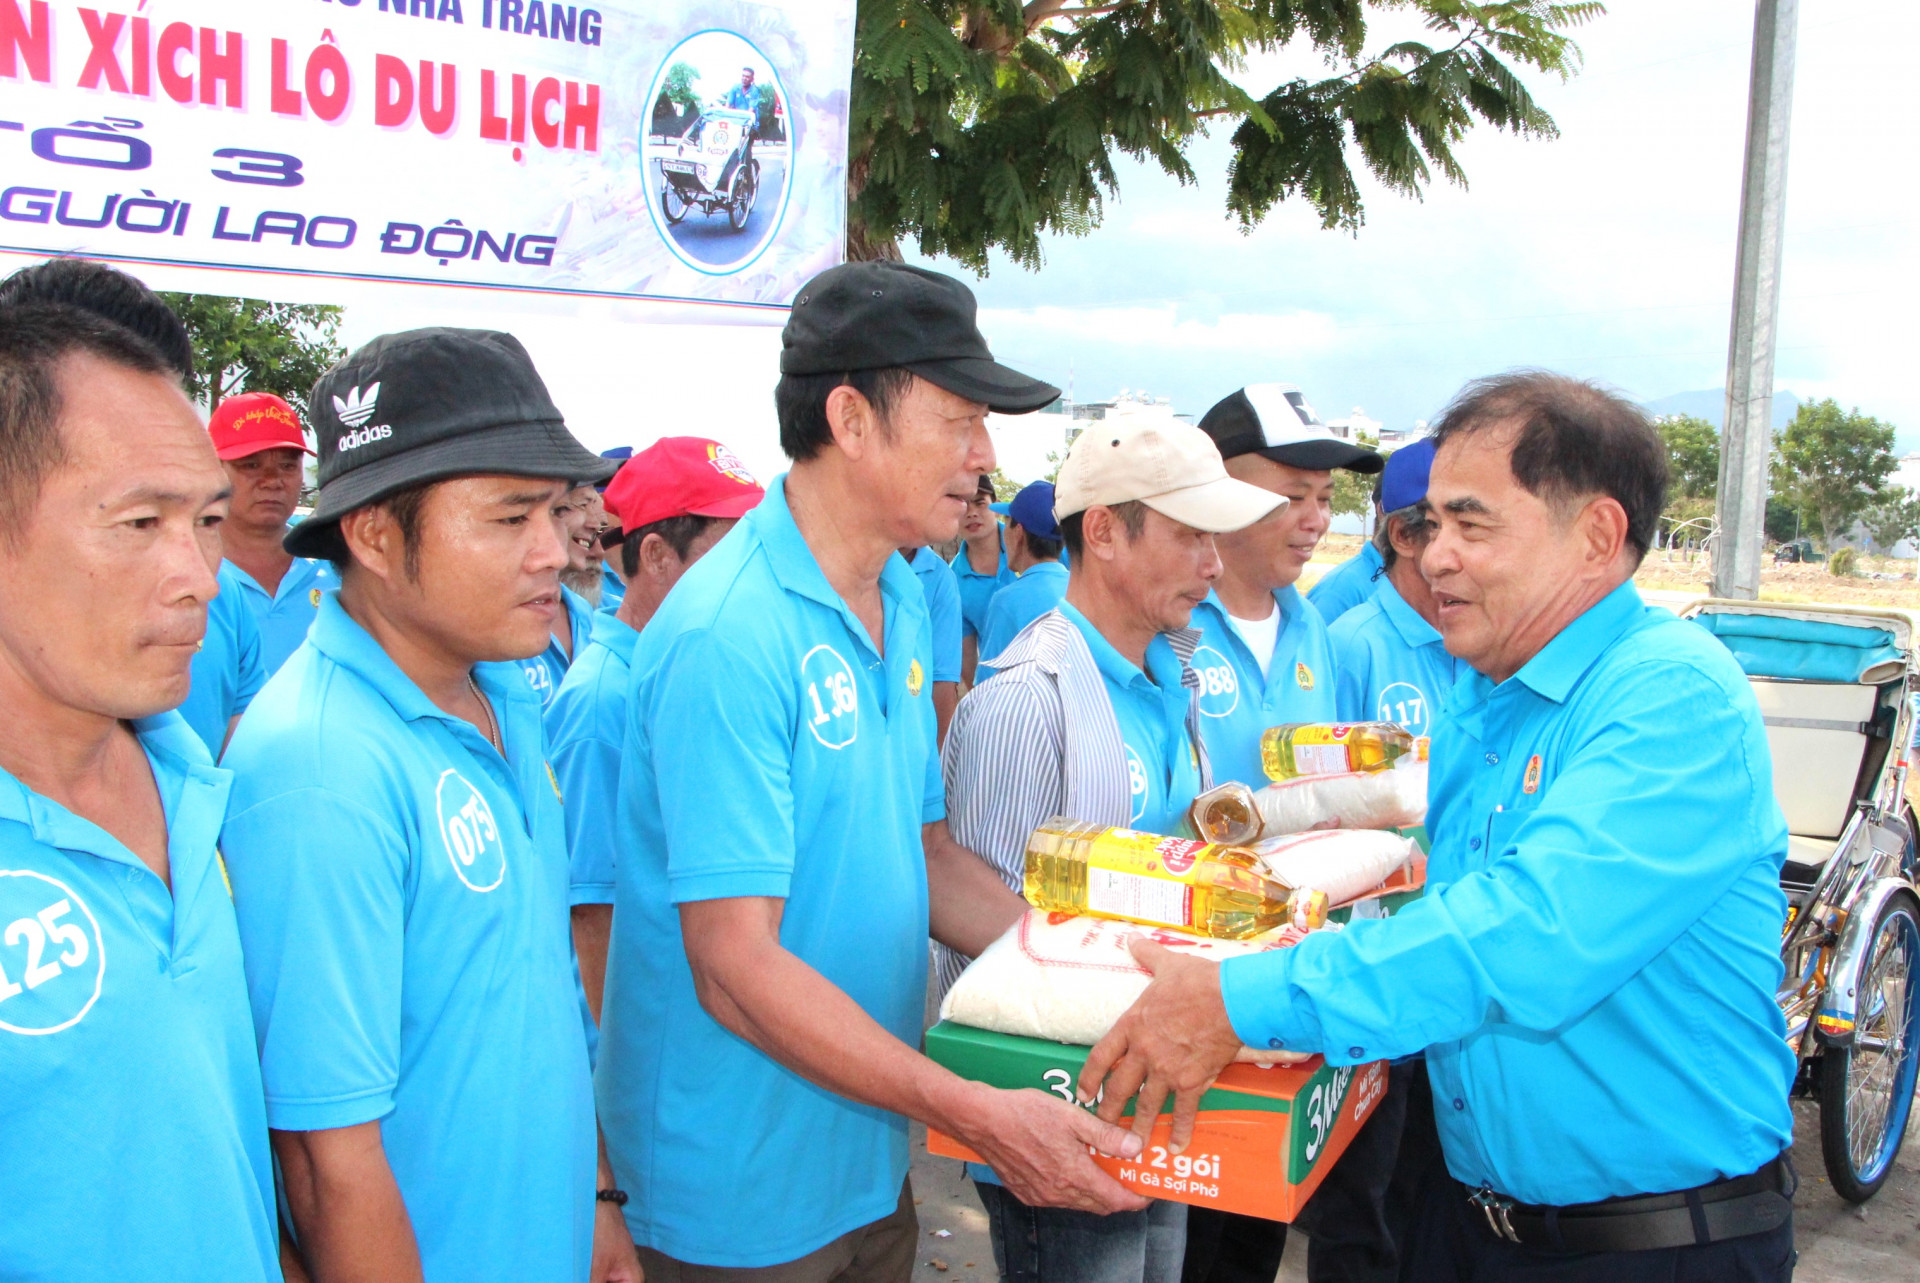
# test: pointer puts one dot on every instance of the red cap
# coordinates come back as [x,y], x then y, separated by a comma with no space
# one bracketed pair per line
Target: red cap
[679,477]
[252,422]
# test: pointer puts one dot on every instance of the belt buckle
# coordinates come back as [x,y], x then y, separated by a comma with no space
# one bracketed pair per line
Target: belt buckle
[1495,1208]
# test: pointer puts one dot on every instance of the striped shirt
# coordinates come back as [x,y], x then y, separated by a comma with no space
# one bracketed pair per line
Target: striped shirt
[1014,757]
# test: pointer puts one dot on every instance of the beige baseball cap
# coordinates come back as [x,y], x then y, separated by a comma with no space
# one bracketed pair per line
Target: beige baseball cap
[1172,467]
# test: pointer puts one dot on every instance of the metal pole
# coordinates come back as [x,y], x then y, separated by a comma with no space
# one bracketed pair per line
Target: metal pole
[1746,440]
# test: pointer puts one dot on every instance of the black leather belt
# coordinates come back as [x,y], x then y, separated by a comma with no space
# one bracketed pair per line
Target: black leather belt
[1710,1213]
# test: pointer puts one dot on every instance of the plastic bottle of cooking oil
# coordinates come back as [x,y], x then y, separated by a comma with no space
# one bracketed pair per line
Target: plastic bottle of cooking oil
[1328,748]
[1198,887]
[1228,814]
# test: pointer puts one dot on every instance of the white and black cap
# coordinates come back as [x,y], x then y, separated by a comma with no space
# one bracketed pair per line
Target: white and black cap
[1274,419]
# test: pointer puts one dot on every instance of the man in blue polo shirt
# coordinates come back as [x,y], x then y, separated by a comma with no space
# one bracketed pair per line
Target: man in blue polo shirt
[573,626]
[1034,546]
[398,847]
[1393,667]
[258,438]
[784,853]
[228,669]
[1093,716]
[1347,584]
[979,570]
[668,505]
[1265,659]
[943,616]
[1606,860]
[613,585]
[135,1139]
[1393,664]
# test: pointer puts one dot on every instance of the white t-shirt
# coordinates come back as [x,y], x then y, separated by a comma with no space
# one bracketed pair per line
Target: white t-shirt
[1260,635]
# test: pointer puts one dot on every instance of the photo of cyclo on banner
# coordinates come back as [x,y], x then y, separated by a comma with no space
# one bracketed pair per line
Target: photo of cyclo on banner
[659,151]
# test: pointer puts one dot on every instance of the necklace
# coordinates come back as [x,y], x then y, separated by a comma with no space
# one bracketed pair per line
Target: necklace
[493,727]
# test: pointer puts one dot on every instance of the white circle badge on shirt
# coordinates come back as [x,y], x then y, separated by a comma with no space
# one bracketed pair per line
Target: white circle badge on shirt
[1137,782]
[1219,686]
[52,962]
[473,842]
[829,698]
[1406,704]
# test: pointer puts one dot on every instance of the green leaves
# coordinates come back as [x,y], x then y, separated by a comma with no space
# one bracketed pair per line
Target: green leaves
[987,124]
[251,345]
[1833,465]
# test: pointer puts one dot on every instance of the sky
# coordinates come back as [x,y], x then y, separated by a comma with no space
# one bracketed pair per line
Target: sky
[1606,253]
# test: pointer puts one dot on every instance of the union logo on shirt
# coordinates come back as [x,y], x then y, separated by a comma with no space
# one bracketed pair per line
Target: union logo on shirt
[1302,675]
[916,679]
[1532,782]
[313,597]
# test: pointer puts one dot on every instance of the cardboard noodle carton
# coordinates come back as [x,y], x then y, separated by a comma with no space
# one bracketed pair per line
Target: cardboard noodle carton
[1264,1141]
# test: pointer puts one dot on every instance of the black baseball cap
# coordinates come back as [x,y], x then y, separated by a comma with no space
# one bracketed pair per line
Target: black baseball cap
[1274,420]
[429,405]
[882,315]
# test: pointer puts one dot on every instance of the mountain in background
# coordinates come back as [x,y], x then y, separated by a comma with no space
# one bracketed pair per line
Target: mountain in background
[1711,404]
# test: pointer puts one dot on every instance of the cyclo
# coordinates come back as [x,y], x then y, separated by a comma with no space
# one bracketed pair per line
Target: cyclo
[711,167]
[1836,687]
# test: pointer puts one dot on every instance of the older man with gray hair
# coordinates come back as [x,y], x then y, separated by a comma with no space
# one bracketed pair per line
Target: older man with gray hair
[1095,714]
[1605,865]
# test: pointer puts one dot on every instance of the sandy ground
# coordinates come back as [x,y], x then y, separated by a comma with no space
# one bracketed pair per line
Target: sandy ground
[1838,1243]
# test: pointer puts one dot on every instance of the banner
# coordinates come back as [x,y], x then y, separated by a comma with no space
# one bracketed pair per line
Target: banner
[666,151]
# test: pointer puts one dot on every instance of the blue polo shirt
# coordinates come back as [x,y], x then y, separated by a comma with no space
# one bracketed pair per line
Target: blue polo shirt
[1238,703]
[586,723]
[402,895]
[771,750]
[1347,584]
[943,612]
[1392,664]
[286,614]
[1038,589]
[613,589]
[548,669]
[976,589]
[228,669]
[1593,965]
[136,1141]
[1163,770]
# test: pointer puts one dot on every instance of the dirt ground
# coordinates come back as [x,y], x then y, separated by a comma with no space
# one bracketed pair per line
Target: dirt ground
[1838,1243]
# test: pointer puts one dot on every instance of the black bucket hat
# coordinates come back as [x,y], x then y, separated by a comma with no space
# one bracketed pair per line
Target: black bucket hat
[429,405]
[882,315]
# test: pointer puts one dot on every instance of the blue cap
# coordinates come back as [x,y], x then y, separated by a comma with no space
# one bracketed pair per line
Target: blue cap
[1032,510]
[619,452]
[1404,483]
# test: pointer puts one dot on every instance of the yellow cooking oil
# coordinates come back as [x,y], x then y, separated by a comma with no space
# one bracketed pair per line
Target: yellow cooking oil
[1332,748]
[1201,888]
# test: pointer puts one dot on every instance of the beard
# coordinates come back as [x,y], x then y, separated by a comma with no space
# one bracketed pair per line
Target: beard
[587,583]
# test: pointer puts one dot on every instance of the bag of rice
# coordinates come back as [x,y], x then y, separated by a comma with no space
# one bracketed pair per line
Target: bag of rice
[1393,799]
[1343,863]
[1069,979]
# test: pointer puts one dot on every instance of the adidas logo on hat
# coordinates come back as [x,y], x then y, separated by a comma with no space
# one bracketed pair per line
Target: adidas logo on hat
[357,407]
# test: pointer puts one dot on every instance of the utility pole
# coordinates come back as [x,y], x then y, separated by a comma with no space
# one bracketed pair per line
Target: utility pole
[1746,439]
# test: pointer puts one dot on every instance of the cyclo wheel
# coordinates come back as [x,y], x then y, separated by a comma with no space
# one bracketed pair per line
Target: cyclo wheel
[672,204]
[746,187]
[1866,1088]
